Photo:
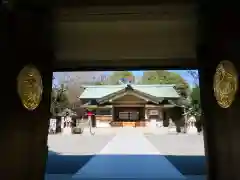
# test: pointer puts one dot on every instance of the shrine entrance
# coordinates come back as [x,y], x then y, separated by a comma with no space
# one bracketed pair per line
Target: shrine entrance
[28,34]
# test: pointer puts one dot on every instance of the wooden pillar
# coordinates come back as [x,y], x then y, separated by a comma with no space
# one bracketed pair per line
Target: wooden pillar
[219,40]
[141,113]
[146,113]
[160,110]
[113,113]
[26,38]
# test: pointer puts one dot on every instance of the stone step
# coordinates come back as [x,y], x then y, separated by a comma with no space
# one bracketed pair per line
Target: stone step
[129,155]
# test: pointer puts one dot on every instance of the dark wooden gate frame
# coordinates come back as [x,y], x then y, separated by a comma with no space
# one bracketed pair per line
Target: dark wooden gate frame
[27,37]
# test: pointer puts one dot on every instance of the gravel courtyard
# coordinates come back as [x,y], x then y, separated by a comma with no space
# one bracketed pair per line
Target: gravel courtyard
[77,144]
[166,143]
[182,144]
[68,153]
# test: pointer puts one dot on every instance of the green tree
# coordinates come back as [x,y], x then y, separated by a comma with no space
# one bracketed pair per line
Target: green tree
[163,77]
[59,100]
[196,108]
[166,77]
[117,75]
[99,83]
[195,96]
[150,77]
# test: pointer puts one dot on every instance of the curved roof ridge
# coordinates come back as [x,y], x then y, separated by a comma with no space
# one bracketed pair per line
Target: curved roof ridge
[104,86]
[125,85]
[153,85]
[157,90]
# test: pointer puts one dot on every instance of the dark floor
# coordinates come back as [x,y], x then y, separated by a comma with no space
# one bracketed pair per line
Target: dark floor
[70,164]
[65,164]
[189,165]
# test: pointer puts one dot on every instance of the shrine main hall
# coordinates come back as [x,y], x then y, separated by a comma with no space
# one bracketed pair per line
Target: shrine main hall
[129,104]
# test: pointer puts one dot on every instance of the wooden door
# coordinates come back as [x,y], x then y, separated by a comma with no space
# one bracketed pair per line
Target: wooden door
[220,41]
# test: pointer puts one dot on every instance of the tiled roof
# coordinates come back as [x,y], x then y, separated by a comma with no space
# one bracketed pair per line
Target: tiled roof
[159,91]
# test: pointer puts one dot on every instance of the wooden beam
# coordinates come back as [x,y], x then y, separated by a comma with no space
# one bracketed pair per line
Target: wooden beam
[153,106]
[129,93]
[133,93]
[160,106]
[128,102]
[96,106]
[81,3]
[123,64]
[113,13]
[128,105]
[168,106]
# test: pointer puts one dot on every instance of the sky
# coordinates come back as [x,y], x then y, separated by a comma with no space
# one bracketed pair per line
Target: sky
[90,75]
[183,73]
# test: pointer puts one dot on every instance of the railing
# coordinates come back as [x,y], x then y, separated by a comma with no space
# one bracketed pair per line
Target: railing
[116,124]
[127,123]
[131,124]
[104,117]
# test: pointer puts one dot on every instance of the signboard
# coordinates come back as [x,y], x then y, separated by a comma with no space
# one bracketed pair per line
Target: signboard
[153,112]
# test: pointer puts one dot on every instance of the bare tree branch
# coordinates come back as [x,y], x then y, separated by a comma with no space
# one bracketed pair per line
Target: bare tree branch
[195,75]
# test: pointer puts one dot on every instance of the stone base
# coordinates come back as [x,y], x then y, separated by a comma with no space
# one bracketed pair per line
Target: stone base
[192,130]
[67,131]
[152,123]
[102,124]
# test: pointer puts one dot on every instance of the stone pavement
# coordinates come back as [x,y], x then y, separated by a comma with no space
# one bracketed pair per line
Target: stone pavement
[178,145]
[116,130]
[77,144]
[145,130]
[128,155]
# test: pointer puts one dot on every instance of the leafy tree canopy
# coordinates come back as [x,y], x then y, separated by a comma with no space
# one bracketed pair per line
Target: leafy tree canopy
[195,95]
[195,108]
[118,75]
[166,77]
[163,77]
[59,100]
[99,83]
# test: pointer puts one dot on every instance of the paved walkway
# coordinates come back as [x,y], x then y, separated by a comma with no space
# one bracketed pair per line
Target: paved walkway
[129,155]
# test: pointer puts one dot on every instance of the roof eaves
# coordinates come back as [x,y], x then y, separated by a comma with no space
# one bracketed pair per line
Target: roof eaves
[150,97]
[107,97]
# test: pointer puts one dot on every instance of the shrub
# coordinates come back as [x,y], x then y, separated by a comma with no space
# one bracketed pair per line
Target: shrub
[178,129]
[165,123]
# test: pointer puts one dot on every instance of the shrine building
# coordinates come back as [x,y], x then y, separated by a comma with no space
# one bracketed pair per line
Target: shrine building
[129,105]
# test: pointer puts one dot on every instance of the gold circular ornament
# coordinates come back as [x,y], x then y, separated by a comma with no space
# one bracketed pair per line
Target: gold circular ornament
[225,84]
[30,87]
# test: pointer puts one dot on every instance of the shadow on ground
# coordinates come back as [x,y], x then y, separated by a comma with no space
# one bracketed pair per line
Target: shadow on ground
[65,164]
[189,165]
[70,164]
